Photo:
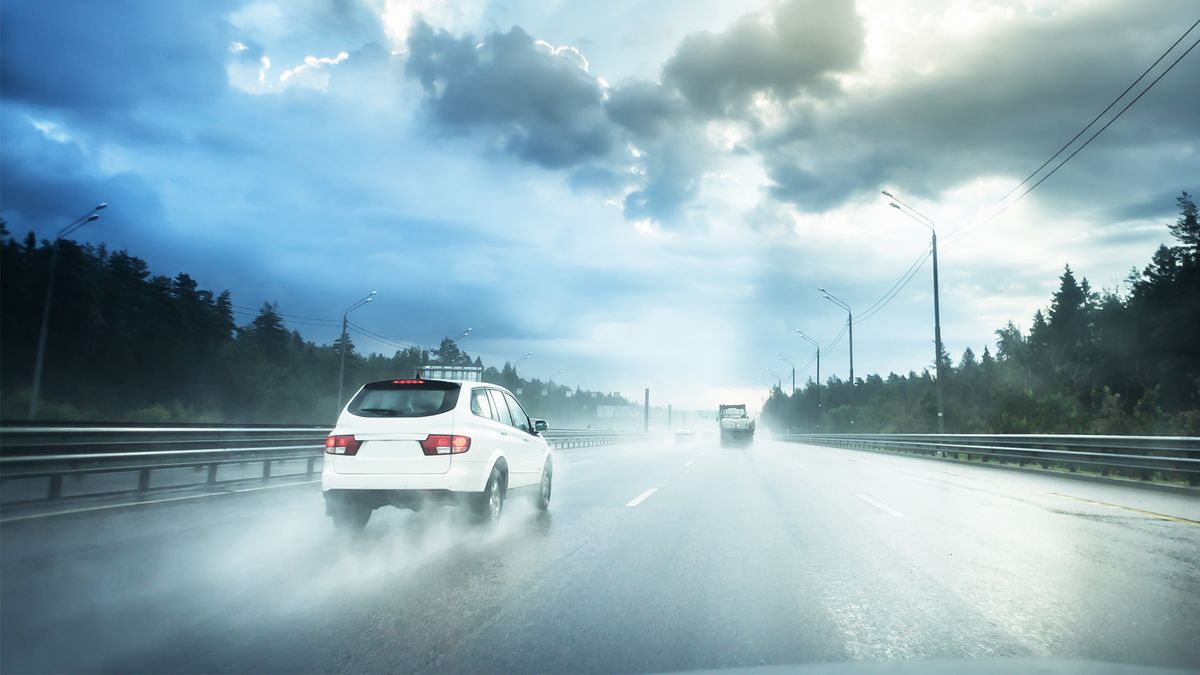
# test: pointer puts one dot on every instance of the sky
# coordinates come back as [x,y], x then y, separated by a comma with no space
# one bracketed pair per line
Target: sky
[640,193]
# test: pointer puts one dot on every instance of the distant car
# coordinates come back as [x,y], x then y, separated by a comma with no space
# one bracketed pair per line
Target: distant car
[684,435]
[410,442]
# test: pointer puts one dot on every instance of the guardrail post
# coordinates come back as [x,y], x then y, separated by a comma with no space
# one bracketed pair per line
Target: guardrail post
[143,480]
[55,490]
[266,469]
[212,473]
[312,463]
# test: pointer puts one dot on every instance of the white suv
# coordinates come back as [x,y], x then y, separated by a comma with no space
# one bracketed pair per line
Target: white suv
[410,442]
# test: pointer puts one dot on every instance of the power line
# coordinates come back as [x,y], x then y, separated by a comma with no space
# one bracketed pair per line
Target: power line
[377,336]
[899,286]
[332,322]
[968,228]
[837,340]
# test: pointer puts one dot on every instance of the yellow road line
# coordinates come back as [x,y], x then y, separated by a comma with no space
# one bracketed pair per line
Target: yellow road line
[1151,514]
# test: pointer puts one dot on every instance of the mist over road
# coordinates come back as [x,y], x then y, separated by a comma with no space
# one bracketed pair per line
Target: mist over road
[653,557]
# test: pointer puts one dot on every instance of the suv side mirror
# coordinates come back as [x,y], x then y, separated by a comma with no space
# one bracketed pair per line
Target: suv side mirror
[540,426]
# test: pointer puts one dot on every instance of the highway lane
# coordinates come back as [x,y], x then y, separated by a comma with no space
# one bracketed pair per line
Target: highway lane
[653,557]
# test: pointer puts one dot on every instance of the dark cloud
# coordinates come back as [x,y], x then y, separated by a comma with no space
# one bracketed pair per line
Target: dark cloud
[48,183]
[999,107]
[543,107]
[646,109]
[792,49]
[71,55]
[673,170]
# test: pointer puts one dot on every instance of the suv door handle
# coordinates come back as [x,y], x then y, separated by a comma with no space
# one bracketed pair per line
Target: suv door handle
[503,433]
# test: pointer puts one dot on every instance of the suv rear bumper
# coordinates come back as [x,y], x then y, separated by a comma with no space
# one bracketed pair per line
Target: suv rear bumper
[341,500]
[463,476]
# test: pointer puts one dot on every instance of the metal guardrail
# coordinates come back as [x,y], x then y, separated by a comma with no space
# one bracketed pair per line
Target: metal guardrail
[59,457]
[1140,457]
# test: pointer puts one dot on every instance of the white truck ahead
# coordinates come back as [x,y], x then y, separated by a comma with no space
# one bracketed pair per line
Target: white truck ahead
[736,424]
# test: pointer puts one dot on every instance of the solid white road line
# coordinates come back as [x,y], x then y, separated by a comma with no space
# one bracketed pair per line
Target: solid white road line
[106,507]
[582,461]
[687,464]
[882,507]
[641,498]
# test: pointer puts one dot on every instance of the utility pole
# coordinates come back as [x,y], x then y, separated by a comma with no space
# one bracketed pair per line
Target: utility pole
[785,360]
[345,338]
[818,346]
[850,324]
[646,413]
[916,215]
[40,358]
[937,339]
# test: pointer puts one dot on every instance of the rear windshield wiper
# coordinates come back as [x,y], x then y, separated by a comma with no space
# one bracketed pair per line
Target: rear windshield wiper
[380,411]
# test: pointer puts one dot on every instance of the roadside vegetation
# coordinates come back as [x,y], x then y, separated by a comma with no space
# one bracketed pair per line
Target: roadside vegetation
[1115,361]
[127,345]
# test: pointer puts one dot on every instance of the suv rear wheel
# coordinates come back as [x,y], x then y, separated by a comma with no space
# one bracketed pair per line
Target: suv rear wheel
[490,503]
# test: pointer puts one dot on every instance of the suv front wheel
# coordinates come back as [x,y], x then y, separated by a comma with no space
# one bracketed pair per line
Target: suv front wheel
[543,496]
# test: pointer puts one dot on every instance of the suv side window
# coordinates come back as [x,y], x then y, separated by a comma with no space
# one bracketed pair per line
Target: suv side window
[520,419]
[481,405]
[499,408]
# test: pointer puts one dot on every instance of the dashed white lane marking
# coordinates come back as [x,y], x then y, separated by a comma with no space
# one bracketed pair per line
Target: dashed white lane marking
[107,507]
[800,465]
[583,461]
[641,498]
[687,464]
[882,507]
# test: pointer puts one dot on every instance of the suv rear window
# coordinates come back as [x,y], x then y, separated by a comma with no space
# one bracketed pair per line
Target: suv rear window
[405,398]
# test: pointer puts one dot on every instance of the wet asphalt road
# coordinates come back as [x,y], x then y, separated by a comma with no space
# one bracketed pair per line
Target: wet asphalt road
[773,554]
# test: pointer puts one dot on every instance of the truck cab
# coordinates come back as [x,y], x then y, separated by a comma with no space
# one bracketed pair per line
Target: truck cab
[736,425]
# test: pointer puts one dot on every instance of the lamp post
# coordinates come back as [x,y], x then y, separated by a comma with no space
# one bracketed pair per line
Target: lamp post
[465,334]
[345,324]
[40,358]
[785,360]
[528,355]
[916,215]
[814,343]
[778,380]
[850,323]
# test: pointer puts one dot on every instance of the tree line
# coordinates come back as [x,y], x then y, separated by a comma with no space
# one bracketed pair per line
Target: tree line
[126,345]
[1114,361]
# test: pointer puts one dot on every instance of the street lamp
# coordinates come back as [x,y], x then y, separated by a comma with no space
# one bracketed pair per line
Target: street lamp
[779,380]
[79,222]
[916,215]
[850,323]
[345,323]
[781,358]
[466,334]
[528,355]
[818,346]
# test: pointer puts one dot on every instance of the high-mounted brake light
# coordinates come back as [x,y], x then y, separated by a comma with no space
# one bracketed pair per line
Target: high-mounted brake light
[408,381]
[342,445]
[439,444]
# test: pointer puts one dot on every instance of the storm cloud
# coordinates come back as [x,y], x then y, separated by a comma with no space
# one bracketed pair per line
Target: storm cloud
[540,104]
[781,54]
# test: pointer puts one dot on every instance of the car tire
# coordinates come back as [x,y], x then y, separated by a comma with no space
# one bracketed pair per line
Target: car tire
[545,487]
[351,518]
[489,505]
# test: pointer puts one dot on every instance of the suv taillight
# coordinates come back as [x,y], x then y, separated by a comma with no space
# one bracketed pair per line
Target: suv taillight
[437,444]
[342,445]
